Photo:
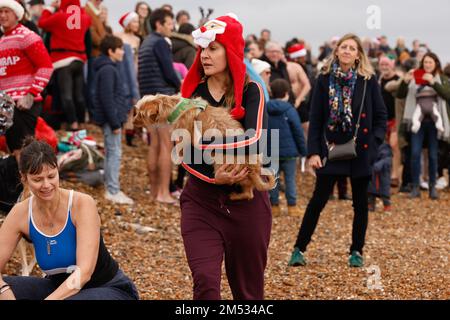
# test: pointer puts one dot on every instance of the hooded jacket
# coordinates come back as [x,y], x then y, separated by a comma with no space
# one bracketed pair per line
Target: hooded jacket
[183,49]
[284,117]
[380,184]
[67,40]
[110,102]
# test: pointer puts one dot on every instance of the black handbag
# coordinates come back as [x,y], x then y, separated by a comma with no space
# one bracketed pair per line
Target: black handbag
[346,151]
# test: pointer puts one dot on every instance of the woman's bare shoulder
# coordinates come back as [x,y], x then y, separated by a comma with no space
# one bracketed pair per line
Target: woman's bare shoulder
[83,206]
[18,216]
[81,199]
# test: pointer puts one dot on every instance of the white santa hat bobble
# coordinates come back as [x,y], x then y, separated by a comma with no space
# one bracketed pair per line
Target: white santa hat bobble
[14,6]
[260,66]
[127,18]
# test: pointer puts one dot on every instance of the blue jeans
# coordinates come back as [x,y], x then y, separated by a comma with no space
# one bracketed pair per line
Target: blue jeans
[289,168]
[33,288]
[113,150]
[427,131]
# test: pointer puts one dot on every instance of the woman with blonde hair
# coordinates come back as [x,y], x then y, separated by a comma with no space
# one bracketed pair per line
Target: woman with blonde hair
[346,104]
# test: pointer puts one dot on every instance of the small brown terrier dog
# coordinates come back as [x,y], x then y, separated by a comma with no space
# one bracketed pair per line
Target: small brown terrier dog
[159,109]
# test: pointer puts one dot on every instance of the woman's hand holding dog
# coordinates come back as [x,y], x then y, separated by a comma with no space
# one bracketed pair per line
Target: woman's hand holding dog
[223,174]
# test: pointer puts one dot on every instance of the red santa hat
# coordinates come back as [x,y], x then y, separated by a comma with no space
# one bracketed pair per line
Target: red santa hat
[14,6]
[127,18]
[296,51]
[226,30]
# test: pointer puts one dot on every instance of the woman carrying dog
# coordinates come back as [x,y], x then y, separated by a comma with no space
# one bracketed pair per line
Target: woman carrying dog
[212,225]
[346,85]
[64,228]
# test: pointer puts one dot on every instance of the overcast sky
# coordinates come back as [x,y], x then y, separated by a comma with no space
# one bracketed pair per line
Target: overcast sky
[319,20]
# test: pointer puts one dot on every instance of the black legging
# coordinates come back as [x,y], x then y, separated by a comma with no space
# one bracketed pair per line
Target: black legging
[70,83]
[443,158]
[406,162]
[322,191]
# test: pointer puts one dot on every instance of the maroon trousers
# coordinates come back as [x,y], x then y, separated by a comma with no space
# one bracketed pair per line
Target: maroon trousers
[214,227]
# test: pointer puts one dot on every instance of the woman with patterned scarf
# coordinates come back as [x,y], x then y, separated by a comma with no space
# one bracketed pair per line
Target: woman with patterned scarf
[335,108]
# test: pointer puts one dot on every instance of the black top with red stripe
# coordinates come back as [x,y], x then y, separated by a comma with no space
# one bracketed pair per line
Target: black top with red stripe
[255,120]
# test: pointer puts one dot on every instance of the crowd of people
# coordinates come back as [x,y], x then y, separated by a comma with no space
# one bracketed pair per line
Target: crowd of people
[392,102]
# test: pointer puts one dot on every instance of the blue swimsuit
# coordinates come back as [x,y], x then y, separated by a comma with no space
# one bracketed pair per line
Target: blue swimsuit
[54,253]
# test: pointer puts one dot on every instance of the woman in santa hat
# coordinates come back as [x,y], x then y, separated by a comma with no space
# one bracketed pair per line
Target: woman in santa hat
[211,224]
[130,24]
[25,71]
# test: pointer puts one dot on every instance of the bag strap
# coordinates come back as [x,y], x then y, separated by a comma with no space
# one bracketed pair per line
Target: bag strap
[359,116]
[89,154]
[360,110]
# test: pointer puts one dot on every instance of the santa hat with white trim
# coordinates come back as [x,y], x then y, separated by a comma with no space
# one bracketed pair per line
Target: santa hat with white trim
[296,51]
[127,18]
[226,30]
[14,6]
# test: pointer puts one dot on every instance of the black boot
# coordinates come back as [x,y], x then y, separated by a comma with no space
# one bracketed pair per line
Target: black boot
[405,188]
[415,192]
[433,192]
[129,138]
[372,203]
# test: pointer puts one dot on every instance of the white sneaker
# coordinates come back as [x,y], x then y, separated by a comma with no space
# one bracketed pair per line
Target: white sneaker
[441,183]
[424,185]
[119,198]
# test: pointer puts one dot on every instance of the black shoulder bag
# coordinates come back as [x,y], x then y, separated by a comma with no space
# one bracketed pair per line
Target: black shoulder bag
[346,151]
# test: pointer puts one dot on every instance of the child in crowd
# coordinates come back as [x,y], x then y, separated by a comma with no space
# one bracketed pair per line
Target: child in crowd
[380,186]
[110,112]
[284,117]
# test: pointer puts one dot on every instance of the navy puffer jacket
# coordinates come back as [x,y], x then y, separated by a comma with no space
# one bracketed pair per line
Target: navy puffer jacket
[110,101]
[284,117]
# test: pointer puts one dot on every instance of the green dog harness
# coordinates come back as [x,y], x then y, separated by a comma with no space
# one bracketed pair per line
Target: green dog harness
[185,105]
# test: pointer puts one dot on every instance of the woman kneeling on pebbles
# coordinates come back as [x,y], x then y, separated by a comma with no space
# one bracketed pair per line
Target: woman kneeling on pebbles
[64,228]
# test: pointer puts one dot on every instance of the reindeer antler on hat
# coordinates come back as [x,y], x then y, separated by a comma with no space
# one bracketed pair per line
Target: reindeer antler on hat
[226,30]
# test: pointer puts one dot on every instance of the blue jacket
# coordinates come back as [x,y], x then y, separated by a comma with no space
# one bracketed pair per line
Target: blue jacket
[284,117]
[156,73]
[370,134]
[110,101]
[128,73]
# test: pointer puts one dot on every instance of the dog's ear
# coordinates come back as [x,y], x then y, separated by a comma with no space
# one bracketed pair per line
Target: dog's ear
[138,120]
[147,110]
